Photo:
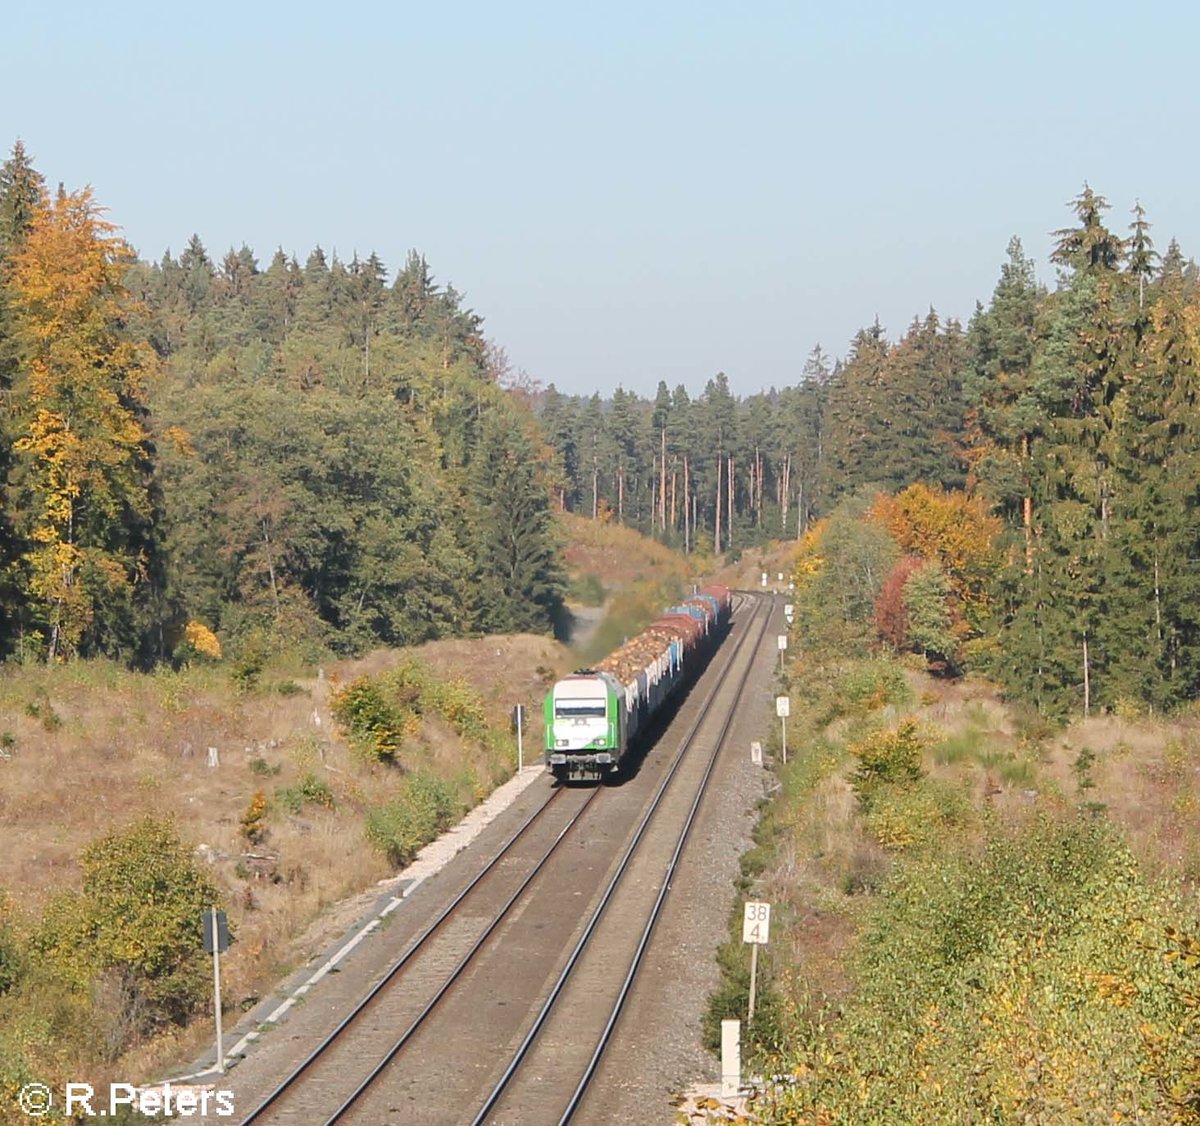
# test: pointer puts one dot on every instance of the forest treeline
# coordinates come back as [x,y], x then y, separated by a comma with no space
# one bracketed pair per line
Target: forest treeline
[321,456]
[1070,414]
[310,456]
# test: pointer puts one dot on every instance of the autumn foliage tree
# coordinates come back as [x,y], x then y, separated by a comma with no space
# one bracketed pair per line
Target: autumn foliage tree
[953,530]
[891,618]
[82,479]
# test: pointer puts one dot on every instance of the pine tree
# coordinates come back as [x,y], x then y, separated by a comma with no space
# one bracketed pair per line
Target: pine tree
[21,190]
[1142,254]
[558,425]
[660,420]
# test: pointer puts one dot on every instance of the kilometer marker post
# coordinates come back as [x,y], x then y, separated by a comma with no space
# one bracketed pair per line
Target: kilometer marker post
[756,929]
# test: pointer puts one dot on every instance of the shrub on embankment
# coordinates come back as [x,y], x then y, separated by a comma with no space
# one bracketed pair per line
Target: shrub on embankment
[963,931]
[109,964]
[385,717]
[1024,978]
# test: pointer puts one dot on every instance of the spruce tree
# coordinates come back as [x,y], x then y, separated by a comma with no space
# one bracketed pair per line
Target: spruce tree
[520,582]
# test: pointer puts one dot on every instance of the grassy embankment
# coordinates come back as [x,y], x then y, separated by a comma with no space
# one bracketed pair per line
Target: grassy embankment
[977,917]
[621,580]
[323,786]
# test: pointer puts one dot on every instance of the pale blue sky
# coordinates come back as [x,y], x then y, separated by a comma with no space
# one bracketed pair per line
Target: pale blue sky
[624,192]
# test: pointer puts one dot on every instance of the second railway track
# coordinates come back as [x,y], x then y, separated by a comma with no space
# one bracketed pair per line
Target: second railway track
[433,1036]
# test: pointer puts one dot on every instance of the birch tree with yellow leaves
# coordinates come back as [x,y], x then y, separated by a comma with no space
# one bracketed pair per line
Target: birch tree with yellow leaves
[82,485]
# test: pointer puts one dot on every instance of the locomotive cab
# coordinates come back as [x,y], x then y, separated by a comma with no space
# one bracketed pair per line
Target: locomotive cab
[582,725]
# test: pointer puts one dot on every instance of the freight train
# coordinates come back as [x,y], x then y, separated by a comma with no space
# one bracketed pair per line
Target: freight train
[594,715]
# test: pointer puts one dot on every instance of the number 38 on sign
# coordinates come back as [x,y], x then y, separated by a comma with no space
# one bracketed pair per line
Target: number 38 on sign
[756,923]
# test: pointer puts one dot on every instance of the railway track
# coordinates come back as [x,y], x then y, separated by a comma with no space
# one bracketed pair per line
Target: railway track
[392,1032]
[525,851]
[540,1072]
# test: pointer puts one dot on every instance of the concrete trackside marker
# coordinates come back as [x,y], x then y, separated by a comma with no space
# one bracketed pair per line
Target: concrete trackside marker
[731,1058]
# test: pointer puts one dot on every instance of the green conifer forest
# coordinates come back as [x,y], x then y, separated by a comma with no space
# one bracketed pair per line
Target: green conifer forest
[317,456]
[1070,413]
[324,454]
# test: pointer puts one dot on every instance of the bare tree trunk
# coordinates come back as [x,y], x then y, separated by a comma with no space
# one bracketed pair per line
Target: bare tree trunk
[653,498]
[1087,681]
[662,491]
[717,518]
[785,496]
[687,523]
[674,480]
[1027,511]
[621,493]
[1157,600]
[758,487]
[270,566]
[729,497]
[595,486]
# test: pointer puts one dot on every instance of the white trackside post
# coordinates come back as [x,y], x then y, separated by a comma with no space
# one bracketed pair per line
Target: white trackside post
[731,1058]
[783,708]
[753,982]
[217,993]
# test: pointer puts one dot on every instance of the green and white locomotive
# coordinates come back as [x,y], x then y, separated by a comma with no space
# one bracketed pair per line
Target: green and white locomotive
[595,715]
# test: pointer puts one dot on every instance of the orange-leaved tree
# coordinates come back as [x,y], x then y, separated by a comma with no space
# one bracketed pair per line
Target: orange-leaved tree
[953,530]
[81,488]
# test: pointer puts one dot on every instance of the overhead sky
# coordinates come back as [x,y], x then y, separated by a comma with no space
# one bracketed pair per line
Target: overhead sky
[625,192]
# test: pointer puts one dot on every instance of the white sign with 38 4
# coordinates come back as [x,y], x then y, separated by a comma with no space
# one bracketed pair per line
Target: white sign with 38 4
[756,923]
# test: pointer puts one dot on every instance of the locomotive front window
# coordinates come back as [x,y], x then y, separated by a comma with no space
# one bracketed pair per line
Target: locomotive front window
[575,709]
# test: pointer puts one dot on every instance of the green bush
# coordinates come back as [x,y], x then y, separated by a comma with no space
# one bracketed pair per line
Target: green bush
[310,790]
[380,714]
[43,710]
[12,953]
[1024,981]
[887,758]
[871,685]
[586,590]
[910,816]
[456,702]
[424,808]
[137,918]
[248,665]
[373,722]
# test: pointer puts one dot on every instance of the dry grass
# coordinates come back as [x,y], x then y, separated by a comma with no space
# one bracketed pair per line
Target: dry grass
[616,555]
[1145,773]
[777,557]
[89,746]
